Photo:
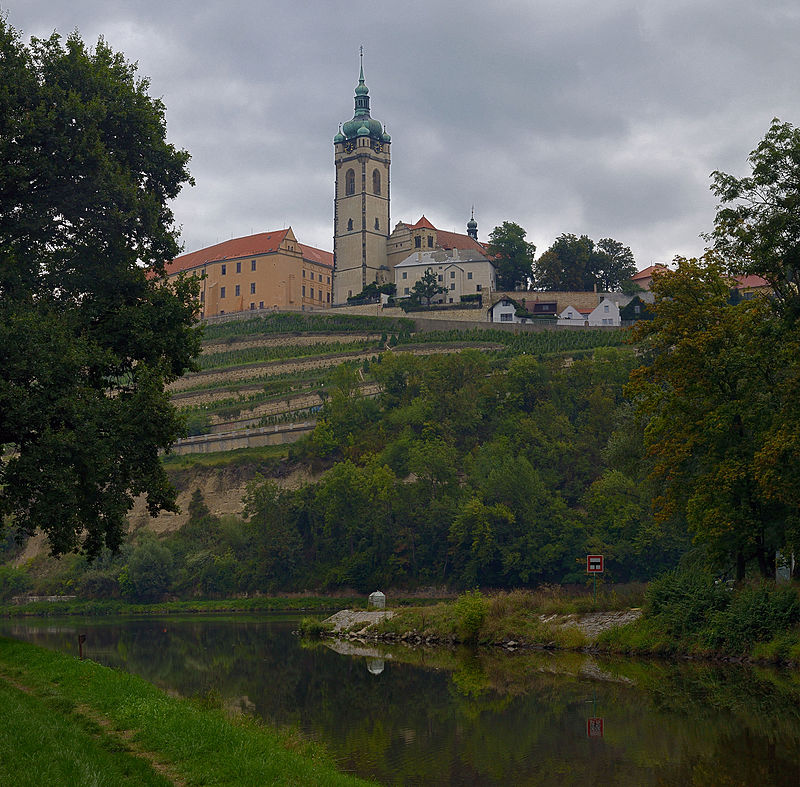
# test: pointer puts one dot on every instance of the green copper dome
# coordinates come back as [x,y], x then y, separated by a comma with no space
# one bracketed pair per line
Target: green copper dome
[362,125]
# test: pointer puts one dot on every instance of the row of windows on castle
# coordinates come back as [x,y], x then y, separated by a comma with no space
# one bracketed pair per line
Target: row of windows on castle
[238,291]
[224,272]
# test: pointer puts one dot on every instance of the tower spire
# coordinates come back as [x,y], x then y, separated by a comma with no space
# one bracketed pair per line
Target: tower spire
[472,226]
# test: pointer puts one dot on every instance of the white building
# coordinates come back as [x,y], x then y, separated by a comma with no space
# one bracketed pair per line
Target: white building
[459,271]
[606,313]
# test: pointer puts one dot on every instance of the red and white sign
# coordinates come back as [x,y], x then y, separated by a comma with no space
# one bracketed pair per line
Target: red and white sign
[594,728]
[594,564]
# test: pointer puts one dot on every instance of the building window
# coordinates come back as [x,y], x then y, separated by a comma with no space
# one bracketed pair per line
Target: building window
[469,275]
[452,274]
[452,285]
[319,295]
[304,290]
[238,291]
[430,241]
[637,309]
[349,225]
[221,292]
[350,183]
[328,297]
[252,265]
[417,242]
[252,288]
[405,274]
[405,291]
[252,306]
[376,182]
[311,275]
[261,304]
[477,288]
[377,224]
[327,280]
[440,277]
[312,293]
[224,269]
[505,318]
[238,267]
[304,273]
[605,309]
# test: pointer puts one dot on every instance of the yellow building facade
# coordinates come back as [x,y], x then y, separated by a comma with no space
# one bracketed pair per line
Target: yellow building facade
[268,270]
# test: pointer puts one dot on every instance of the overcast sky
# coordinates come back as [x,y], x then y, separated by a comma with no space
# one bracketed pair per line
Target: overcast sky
[599,118]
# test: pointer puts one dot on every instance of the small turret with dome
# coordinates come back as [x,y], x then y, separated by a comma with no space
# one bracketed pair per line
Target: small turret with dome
[472,226]
[362,125]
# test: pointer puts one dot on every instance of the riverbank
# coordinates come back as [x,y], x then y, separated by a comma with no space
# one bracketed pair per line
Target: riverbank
[513,620]
[684,614]
[68,722]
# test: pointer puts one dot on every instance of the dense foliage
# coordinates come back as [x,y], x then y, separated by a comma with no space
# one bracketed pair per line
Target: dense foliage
[512,256]
[578,263]
[88,341]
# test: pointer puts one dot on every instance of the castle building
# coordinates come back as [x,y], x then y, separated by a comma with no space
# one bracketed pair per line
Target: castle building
[361,204]
[268,270]
[364,250]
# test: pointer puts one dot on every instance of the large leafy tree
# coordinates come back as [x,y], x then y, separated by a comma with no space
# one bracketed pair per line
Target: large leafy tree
[578,263]
[714,397]
[757,227]
[512,254]
[90,330]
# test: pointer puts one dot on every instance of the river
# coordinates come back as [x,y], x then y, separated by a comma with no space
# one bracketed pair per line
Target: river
[461,717]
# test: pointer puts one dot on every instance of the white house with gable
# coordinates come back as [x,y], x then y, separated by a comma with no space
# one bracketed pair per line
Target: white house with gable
[605,313]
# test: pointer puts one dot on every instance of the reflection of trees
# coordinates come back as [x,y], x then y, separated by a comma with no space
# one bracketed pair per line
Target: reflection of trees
[484,717]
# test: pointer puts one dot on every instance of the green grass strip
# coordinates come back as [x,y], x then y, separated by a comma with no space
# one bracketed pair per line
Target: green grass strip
[71,722]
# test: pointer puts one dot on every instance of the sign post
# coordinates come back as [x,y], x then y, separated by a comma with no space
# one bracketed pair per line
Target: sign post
[594,566]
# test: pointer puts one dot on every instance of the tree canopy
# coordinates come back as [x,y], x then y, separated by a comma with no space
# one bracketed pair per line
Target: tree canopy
[757,227]
[577,263]
[513,256]
[90,331]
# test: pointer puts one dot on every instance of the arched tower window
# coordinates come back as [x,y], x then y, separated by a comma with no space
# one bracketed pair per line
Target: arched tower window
[376,182]
[377,224]
[350,182]
[349,225]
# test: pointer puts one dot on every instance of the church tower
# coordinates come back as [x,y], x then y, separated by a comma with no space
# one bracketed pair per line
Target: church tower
[361,202]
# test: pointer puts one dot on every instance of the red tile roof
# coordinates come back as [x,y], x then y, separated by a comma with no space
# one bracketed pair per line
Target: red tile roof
[423,224]
[251,245]
[751,281]
[261,243]
[448,240]
[317,255]
[648,271]
[455,240]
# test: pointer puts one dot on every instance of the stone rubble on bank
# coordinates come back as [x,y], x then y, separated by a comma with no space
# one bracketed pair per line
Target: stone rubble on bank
[359,625]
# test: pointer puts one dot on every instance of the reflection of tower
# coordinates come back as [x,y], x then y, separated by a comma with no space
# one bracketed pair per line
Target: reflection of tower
[472,226]
[361,203]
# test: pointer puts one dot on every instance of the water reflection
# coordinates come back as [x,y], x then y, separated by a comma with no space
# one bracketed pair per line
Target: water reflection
[406,716]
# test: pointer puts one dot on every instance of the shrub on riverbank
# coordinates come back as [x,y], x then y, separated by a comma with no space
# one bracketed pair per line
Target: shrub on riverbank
[687,612]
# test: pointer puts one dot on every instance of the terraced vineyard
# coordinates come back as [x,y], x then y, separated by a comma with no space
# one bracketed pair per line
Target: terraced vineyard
[260,376]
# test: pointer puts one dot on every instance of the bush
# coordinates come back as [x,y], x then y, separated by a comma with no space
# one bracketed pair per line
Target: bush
[755,614]
[470,609]
[683,599]
[13,582]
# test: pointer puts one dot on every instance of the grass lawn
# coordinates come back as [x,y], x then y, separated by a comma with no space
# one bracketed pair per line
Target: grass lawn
[71,722]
